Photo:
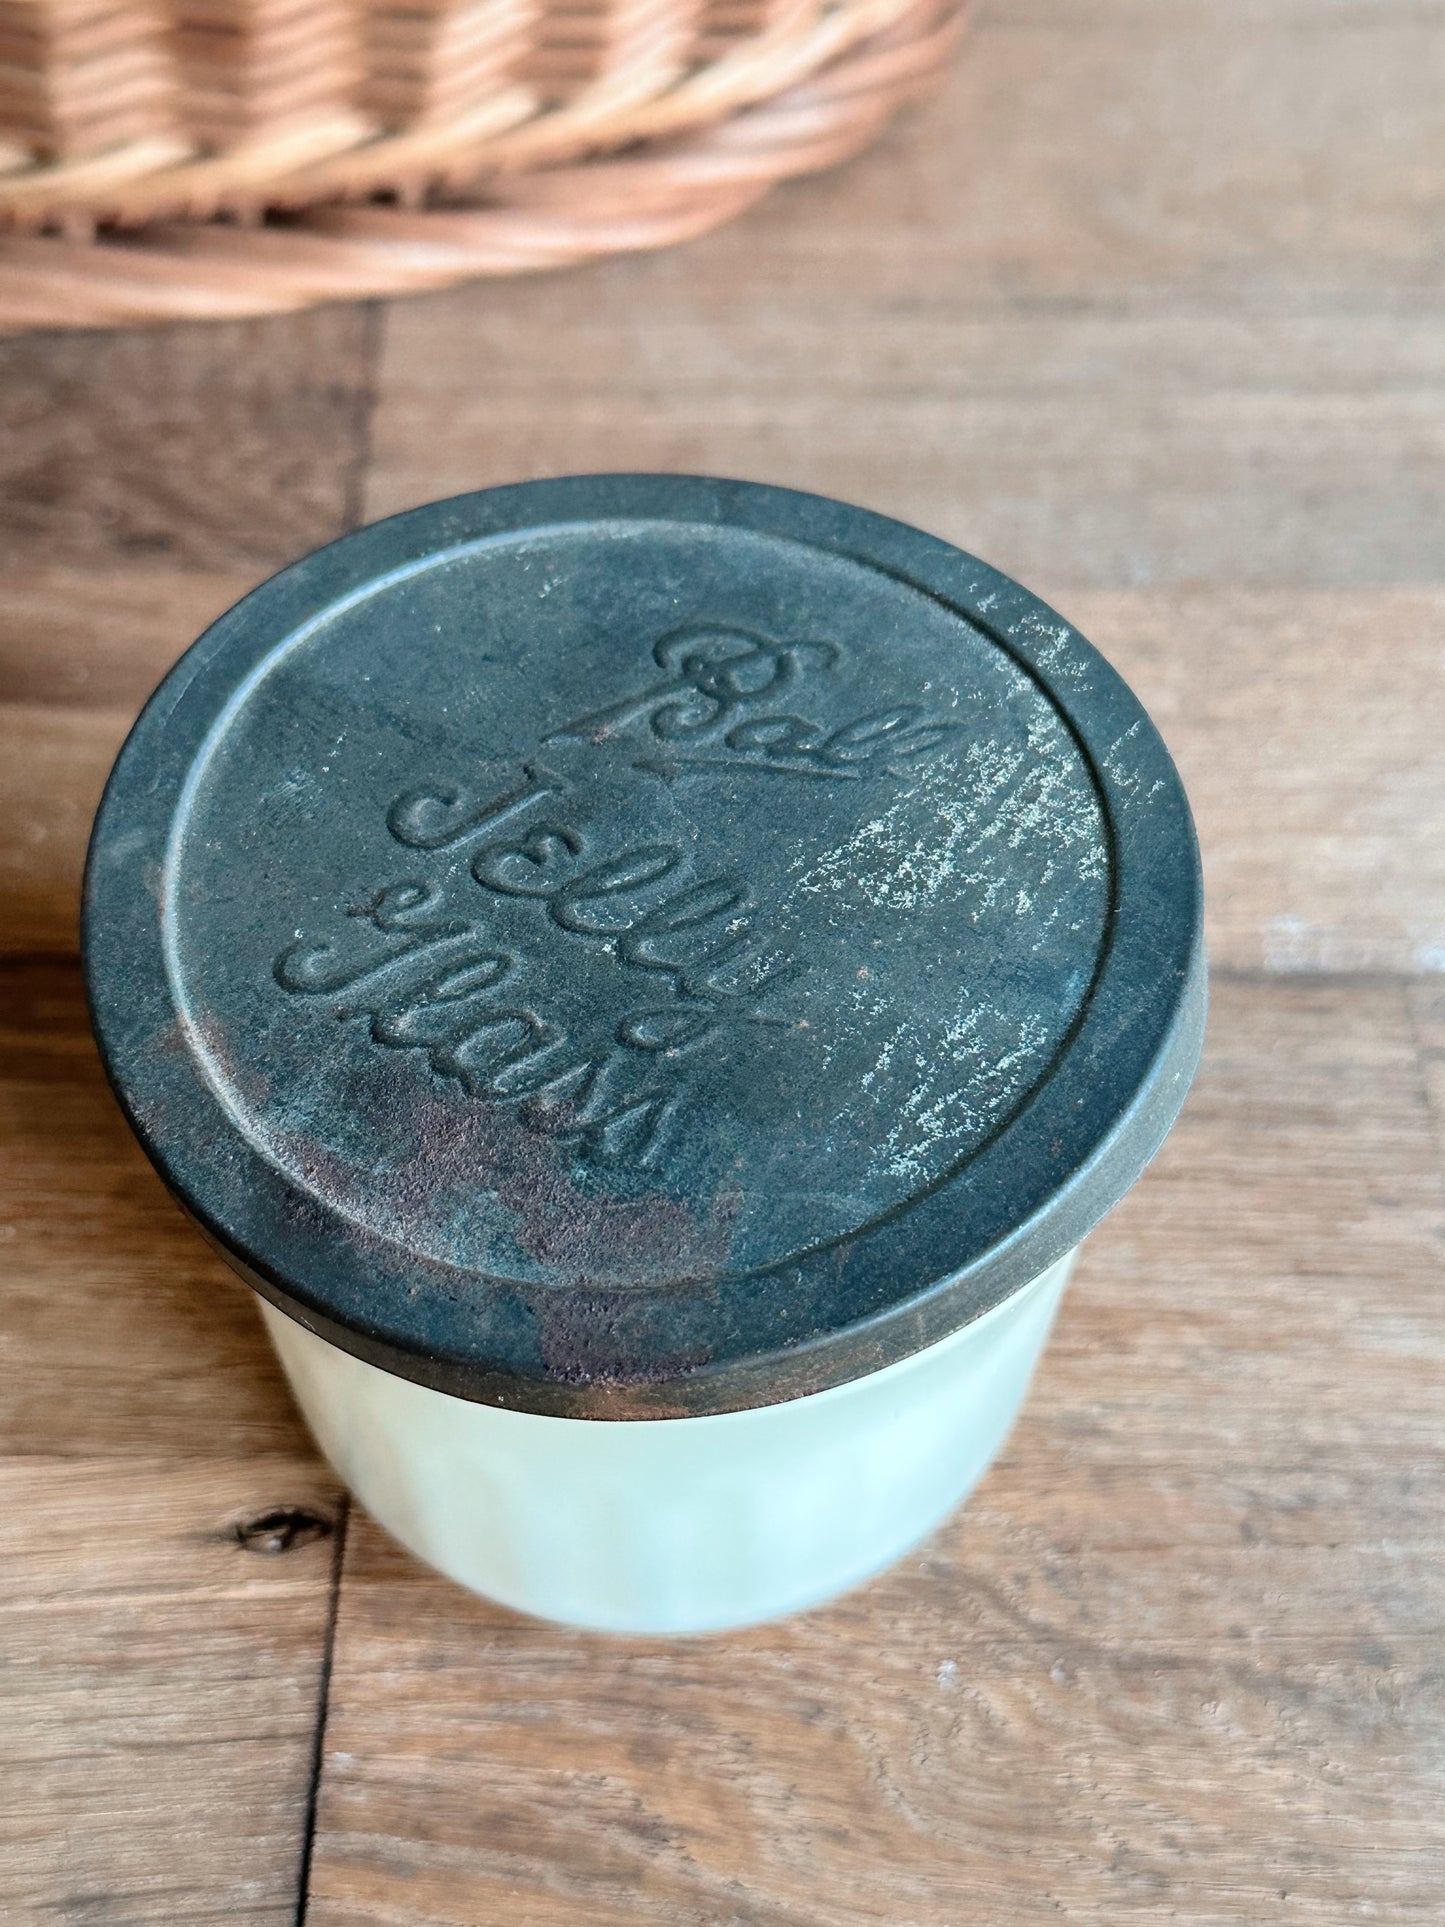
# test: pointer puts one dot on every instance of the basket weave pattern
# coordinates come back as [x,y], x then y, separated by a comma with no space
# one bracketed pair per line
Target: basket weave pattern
[170,158]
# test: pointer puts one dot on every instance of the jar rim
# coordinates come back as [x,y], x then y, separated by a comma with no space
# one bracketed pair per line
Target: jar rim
[938,1246]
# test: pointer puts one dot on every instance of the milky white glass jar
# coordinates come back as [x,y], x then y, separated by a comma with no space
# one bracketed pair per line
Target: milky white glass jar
[650,980]
[678,1525]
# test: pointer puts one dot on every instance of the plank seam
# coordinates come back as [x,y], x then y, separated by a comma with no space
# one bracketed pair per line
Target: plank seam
[323,1707]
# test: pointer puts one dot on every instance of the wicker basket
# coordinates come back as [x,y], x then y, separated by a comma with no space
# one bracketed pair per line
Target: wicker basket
[162,159]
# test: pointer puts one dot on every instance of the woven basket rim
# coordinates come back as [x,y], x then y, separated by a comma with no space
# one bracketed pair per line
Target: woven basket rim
[519,210]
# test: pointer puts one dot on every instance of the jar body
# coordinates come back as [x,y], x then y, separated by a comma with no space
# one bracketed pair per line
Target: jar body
[675,1525]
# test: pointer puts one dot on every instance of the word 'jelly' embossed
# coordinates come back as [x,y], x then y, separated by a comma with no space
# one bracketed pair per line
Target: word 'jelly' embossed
[444,986]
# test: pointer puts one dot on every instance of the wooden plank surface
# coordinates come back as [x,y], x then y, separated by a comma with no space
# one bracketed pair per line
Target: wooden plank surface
[79,653]
[124,1335]
[160,1671]
[1147,308]
[225,447]
[1151,293]
[1177,1661]
[161,1687]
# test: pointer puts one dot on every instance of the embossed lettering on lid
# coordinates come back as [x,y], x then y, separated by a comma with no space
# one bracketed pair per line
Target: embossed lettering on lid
[641,944]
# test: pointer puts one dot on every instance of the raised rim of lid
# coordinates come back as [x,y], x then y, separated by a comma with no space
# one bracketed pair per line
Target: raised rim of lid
[909,1277]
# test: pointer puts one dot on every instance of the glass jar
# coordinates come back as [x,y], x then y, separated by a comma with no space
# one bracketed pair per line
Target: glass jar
[650,979]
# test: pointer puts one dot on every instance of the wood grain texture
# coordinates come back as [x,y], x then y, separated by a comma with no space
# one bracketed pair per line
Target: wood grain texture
[1177,1662]
[1148,310]
[1305,728]
[53,766]
[124,1336]
[232,447]
[102,638]
[160,1689]
[1318,781]
[159,1681]
[80,650]
[1152,294]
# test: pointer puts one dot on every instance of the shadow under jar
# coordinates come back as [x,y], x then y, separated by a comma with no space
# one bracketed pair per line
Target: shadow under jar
[650,979]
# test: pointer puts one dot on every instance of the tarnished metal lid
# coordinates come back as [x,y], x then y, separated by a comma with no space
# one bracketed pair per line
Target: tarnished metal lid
[637,945]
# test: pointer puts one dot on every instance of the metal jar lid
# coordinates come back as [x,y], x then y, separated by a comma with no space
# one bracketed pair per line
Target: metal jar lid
[640,945]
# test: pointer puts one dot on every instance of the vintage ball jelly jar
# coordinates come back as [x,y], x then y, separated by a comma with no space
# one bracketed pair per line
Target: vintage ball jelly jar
[650,979]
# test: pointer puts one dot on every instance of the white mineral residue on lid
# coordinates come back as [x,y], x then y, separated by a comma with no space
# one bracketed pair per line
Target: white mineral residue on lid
[947,829]
[958,1090]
